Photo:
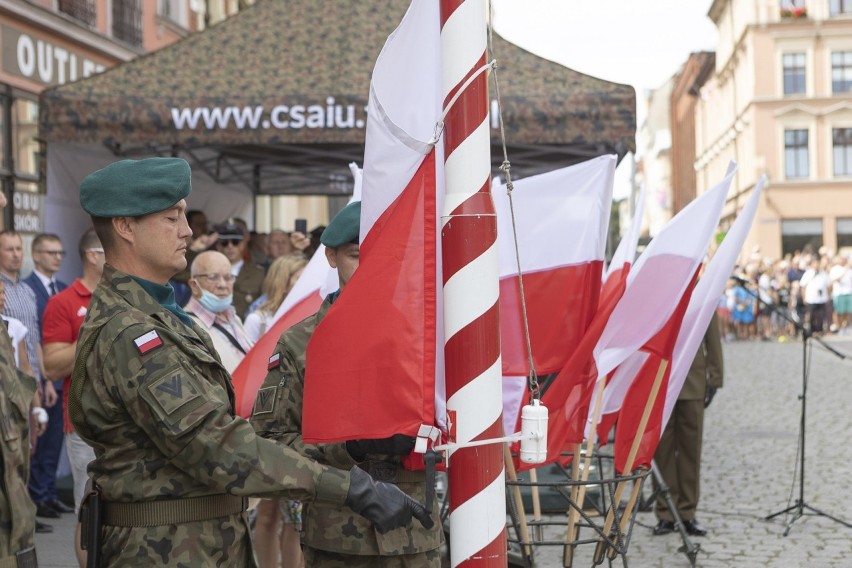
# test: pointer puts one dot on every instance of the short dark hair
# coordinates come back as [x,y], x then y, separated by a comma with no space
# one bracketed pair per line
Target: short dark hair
[193,213]
[88,241]
[103,228]
[42,237]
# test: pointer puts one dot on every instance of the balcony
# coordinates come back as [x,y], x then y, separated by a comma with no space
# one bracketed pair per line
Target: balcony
[127,21]
[81,10]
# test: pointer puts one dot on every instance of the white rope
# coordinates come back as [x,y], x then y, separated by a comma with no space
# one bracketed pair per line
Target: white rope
[519,436]
[439,127]
[535,389]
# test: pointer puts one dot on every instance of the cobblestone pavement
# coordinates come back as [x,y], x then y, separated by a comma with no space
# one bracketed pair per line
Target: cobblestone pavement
[750,448]
[749,460]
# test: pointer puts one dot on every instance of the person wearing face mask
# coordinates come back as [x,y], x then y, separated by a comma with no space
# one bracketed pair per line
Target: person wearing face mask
[211,307]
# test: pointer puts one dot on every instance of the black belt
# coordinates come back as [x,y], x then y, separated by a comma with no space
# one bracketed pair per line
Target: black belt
[390,472]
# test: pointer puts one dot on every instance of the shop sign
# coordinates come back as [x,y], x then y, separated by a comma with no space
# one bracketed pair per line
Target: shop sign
[36,58]
[28,211]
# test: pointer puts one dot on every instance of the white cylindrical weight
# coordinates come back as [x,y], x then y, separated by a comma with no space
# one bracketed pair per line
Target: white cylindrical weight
[534,430]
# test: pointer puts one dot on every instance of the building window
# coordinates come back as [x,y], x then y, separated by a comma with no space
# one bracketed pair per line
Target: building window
[21,163]
[841,71]
[844,235]
[173,10]
[796,153]
[794,73]
[842,144]
[4,162]
[837,7]
[80,10]
[800,235]
[25,137]
[127,21]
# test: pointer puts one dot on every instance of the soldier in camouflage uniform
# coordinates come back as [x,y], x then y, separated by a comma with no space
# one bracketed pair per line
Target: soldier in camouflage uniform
[152,398]
[17,510]
[336,537]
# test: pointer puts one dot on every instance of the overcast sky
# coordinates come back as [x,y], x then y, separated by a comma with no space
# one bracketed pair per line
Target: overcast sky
[638,42]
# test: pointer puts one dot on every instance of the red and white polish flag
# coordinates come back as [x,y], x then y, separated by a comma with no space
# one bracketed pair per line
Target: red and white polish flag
[705,298]
[654,285]
[695,319]
[317,281]
[371,362]
[561,218]
[692,225]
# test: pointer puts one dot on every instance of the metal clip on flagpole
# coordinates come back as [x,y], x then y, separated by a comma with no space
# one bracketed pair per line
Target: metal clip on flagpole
[533,436]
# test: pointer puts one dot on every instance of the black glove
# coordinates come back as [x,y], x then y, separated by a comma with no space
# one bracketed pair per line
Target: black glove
[709,393]
[396,445]
[383,504]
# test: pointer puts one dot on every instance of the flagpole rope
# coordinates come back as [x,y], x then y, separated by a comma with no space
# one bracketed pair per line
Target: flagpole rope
[506,166]
[519,436]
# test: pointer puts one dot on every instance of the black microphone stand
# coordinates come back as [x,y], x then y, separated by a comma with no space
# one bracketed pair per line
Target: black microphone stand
[799,507]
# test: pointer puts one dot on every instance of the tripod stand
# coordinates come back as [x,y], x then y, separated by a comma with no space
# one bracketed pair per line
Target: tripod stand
[800,506]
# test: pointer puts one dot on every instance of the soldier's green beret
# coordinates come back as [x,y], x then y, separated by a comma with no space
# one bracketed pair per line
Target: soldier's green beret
[132,188]
[344,228]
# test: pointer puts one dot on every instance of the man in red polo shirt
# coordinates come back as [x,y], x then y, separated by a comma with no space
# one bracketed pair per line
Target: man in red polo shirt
[63,317]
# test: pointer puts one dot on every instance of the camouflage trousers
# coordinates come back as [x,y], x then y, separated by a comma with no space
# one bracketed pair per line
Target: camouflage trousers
[315,558]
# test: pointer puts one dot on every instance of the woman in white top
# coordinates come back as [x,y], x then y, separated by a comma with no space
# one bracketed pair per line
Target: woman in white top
[280,279]
[271,547]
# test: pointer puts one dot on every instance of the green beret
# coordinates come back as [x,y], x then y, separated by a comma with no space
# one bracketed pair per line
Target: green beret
[131,188]
[344,228]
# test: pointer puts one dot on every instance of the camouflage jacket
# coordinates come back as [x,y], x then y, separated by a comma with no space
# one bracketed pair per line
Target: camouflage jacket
[17,511]
[157,406]
[277,414]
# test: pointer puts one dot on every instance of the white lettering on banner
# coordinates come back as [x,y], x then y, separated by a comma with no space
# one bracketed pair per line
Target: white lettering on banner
[280,117]
[332,115]
[26,55]
[50,64]
[27,208]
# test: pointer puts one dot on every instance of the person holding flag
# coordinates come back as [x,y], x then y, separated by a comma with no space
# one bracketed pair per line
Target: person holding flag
[334,534]
[173,464]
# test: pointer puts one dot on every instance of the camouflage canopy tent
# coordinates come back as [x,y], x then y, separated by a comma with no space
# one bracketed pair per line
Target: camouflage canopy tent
[272,101]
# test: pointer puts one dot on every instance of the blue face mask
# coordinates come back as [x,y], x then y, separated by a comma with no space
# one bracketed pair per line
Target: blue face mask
[213,303]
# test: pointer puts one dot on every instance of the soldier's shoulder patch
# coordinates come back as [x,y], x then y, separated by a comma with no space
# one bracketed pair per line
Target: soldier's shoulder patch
[265,401]
[174,390]
[274,361]
[148,342]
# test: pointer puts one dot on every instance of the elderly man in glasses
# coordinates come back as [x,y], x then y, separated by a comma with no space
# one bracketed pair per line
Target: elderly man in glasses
[210,307]
[249,283]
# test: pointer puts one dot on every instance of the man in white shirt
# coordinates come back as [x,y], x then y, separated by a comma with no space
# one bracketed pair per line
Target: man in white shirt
[211,308]
[815,283]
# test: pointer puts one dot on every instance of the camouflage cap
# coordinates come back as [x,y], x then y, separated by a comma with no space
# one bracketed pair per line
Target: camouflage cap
[344,228]
[131,188]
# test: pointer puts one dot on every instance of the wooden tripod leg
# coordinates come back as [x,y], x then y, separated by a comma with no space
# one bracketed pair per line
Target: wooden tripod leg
[578,494]
[634,449]
[519,502]
[536,503]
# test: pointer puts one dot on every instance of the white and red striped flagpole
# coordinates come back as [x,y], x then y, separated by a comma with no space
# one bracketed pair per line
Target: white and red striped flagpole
[471,294]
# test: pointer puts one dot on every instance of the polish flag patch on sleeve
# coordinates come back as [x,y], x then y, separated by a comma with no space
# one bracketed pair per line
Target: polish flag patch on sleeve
[148,342]
[274,361]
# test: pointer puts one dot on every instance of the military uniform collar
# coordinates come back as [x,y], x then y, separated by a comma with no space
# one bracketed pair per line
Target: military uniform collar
[137,294]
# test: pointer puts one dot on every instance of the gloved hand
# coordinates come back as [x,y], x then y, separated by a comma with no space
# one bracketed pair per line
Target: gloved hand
[396,445]
[383,504]
[709,393]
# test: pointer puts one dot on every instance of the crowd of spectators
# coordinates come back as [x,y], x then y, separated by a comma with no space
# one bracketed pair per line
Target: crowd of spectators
[773,300]
[234,272]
